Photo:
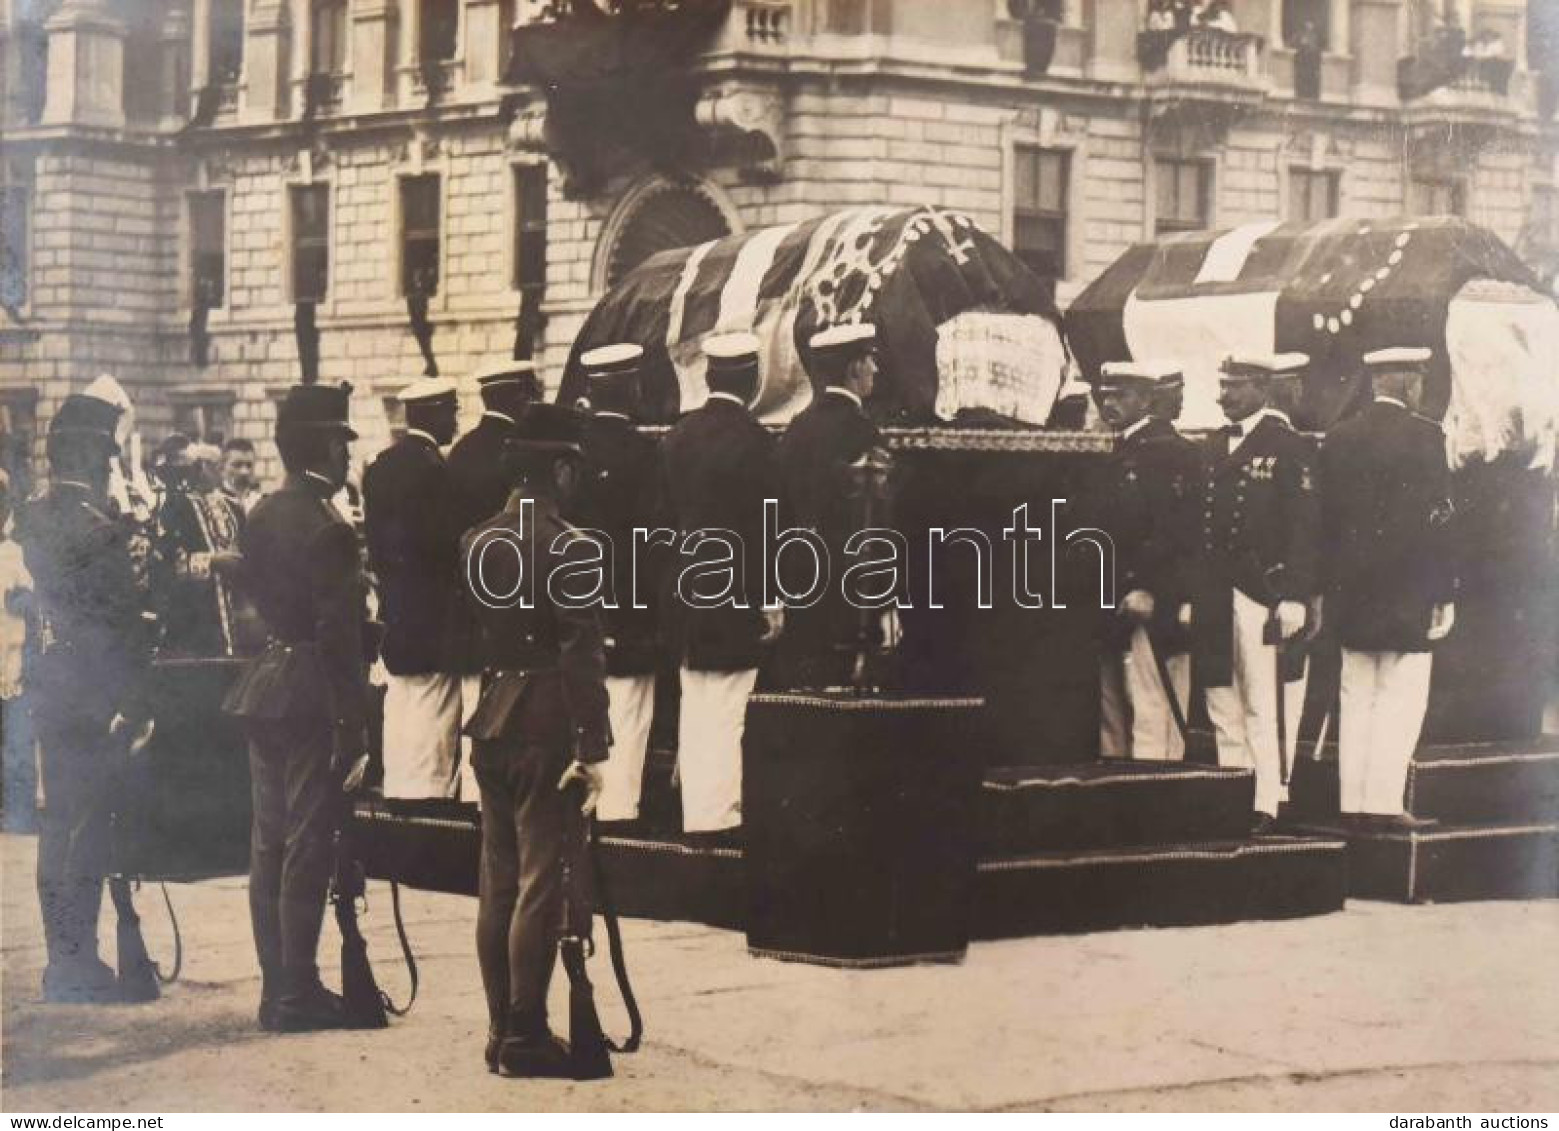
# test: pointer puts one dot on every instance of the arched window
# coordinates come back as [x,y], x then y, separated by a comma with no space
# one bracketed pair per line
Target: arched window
[666,215]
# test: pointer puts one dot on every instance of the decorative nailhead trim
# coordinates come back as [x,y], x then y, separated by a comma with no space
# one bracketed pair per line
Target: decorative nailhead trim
[1168,856]
[856,963]
[865,703]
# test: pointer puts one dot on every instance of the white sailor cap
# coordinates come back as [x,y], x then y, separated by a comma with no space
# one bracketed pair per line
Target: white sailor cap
[619,357]
[1264,364]
[1405,357]
[847,337]
[427,390]
[505,371]
[731,350]
[1149,371]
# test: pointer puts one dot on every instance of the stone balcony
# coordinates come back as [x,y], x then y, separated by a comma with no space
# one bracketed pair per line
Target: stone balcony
[1206,59]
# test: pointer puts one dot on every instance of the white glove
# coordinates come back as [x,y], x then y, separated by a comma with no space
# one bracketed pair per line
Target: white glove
[1138,606]
[1442,621]
[588,773]
[1185,615]
[1291,618]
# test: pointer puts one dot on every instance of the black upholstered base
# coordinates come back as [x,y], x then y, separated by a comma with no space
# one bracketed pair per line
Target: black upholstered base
[1455,863]
[1168,886]
[1109,804]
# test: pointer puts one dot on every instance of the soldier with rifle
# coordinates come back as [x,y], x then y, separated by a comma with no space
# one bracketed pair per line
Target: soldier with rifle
[86,683]
[1257,575]
[539,728]
[303,702]
[1148,496]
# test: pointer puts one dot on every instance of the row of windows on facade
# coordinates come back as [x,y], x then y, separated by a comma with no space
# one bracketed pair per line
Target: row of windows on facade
[1041,195]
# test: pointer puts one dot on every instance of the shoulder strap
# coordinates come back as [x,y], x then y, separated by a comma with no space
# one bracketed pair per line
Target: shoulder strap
[614,942]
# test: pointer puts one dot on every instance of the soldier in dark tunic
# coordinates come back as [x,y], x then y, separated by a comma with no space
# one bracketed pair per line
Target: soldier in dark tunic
[717,468]
[1390,579]
[1148,494]
[1257,573]
[480,488]
[539,727]
[617,494]
[814,456]
[303,701]
[414,552]
[86,685]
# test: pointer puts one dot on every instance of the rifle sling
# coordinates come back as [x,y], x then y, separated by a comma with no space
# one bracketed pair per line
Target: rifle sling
[614,943]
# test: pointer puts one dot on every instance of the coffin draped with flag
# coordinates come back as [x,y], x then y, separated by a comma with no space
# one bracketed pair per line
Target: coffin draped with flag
[964,327]
[1335,291]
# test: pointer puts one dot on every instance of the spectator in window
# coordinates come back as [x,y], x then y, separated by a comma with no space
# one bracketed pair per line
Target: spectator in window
[1161,16]
[1219,15]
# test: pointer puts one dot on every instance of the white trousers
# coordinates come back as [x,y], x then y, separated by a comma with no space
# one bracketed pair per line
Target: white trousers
[470,694]
[421,736]
[1134,716]
[1384,696]
[709,747]
[1244,715]
[631,707]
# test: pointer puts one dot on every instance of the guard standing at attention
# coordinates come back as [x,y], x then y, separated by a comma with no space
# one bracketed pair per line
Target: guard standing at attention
[414,551]
[539,727]
[303,700]
[717,468]
[1391,580]
[617,494]
[1149,491]
[1257,574]
[819,445]
[86,684]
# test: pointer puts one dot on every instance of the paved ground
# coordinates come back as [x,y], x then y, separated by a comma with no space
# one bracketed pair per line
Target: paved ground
[1382,1008]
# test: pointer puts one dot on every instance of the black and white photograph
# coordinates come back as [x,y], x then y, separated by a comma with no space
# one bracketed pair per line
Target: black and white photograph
[647,556]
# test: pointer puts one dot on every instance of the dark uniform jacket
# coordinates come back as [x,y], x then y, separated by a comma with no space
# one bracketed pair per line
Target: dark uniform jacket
[198,614]
[414,550]
[829,434]
[717,468]
[302,567]
[1389,561]
[545,682]
[480,488]
[617,494]
[94,629]
[1261,534]
[1146,501]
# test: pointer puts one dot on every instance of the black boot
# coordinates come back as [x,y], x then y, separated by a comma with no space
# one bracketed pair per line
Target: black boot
[494,1044]
[80,980]
[308,1006]
[531,1050]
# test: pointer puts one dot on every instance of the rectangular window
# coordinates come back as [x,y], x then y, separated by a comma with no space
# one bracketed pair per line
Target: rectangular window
[439,31]
[1040,185]
[1312,195]
[208,248]
[1437,198]
[420,234]
[310,242]
[530,227]
[226,44]
[204,419]
[327,46]
[1184,195]
[15,238]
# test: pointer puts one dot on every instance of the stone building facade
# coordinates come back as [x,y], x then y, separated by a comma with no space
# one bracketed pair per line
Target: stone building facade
[178,176]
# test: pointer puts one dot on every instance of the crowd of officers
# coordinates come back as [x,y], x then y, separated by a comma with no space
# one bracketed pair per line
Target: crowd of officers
[542,712]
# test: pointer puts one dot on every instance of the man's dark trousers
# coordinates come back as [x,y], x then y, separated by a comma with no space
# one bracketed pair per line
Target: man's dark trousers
[290,850]
[74,835]
[524,832]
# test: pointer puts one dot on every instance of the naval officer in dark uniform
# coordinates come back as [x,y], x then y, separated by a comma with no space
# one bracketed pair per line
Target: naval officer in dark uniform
[86,684]
[717,468]
[1390,579]
[303,700]
[480,488]
[414,550]
[1257,573]
[539,728]
[814,455]
[1148,494]
[617,493]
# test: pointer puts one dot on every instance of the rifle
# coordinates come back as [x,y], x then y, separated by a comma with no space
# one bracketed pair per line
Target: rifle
[139,978]
[588,1046]
[364,1000]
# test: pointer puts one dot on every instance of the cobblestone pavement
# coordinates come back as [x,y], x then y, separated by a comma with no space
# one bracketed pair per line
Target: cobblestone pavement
[1382,1008]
